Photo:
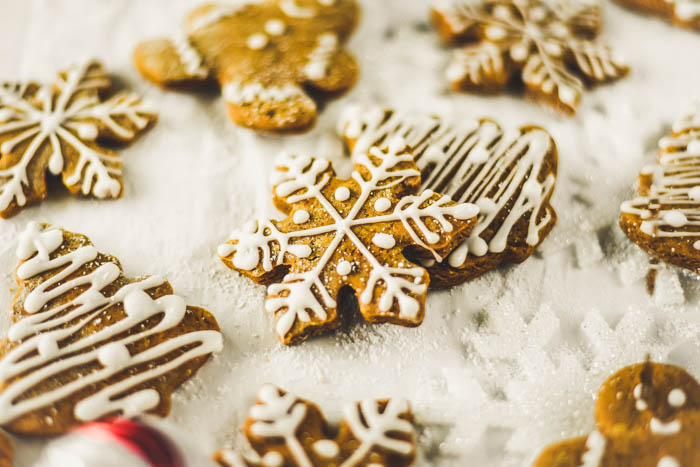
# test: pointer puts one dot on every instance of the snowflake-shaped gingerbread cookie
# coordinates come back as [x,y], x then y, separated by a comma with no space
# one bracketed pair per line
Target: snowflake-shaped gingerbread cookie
[553,52]
[266,56]
[89,342]
[57,128]
[342,234]
[286,430]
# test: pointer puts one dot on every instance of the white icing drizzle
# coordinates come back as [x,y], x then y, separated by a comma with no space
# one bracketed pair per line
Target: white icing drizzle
[664,428]
[319,58]
[291,9]
[687,10]
[304,293]
[189,56]
[595,448]
[668,461]
[239,94]
[39,355]
[676,397]
[66,114]
[475,162]
[217,13]
[671,207]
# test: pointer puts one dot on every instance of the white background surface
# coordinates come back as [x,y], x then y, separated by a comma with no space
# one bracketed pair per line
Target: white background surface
[501,366]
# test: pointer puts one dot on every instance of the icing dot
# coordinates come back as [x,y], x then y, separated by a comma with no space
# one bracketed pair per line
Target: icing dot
[327,2]
[668,461]
[675,218]
[382,204]
[383,240]
[257,41]
[676,397]
[275,27]
[694,148]
[246,258]
[300,250]
[344,267]
[273,459]
[637,391]
[694,193]
[342,193]
[326,448]
[87,131]
[47,346]
[301,216]
[696,245]
[113,355]
[641,405]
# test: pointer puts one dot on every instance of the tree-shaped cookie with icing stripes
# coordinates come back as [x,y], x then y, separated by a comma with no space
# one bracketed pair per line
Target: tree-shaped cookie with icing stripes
[647,415]
[347,234]
[664,219]
[6,451]
[89,342]
[57,128]
[553,53]
[268,56]
[509,174]
[286,430]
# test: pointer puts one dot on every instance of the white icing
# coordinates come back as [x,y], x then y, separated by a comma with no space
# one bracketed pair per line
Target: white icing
[238,93]
[291,9]
[687,10]
[382,204]
[190,58]
[256,41]
[326,448]
[664,428]
[55,119]
[319,58]
[218,12]
[676,397]
[300,216]
[468,162]
[668,461]
[275,27]
[344,267]
[41,331]
[304,294]
[595,448]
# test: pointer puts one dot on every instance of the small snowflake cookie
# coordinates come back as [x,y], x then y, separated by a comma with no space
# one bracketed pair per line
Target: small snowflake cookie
[685,13]
[647,415]
[58,128]
[283,429]
[89,342]
[6,451]
[551,48]
[348,234]
[508,174]
[268,57]
[664,220]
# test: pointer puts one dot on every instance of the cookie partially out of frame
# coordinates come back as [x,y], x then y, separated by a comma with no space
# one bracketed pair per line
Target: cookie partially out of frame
[685,13]
[664,219]
[269,57]
[509,174]
[647,415]
[89,342]
[6,451]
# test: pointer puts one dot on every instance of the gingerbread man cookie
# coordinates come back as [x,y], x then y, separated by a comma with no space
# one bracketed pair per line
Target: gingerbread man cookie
[664,220]
[553,54]
[266,55]
[286,430]
[89,342]
[348,234]
[6,451]
[58,128]
[508,174]
[647,415]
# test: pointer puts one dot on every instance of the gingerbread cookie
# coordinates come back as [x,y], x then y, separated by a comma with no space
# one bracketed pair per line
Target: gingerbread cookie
[89,342]
[348,234]
[267,56]
[550,50]
[286,430]
[509,175]
[664,220]
[6,451]
[647,415]
[685,13]
[58,128]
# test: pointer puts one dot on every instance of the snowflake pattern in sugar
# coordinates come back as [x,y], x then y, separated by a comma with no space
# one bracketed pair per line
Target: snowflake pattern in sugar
[550,46]
[56,128]
[348,233]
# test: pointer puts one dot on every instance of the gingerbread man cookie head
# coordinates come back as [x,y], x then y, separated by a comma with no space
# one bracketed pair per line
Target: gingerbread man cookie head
[57,129]
[268,57]
[348,234]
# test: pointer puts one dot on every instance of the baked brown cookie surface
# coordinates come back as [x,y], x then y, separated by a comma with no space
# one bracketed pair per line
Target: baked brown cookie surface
[664,220]
[6,451]
[347,235]
[646,415]
[267,56]
[552,49]
[286,430]
[685,13]
[59,128]
[509,174]
[89,342]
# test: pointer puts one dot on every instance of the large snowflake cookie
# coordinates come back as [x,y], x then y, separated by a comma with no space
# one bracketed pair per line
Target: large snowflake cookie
[89,342]
[647,415]
[664,220]
[6,451]
[267,55]
[58,128]
[508,174]
[552,49]
[684,13]
[348,234]
[286,430]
